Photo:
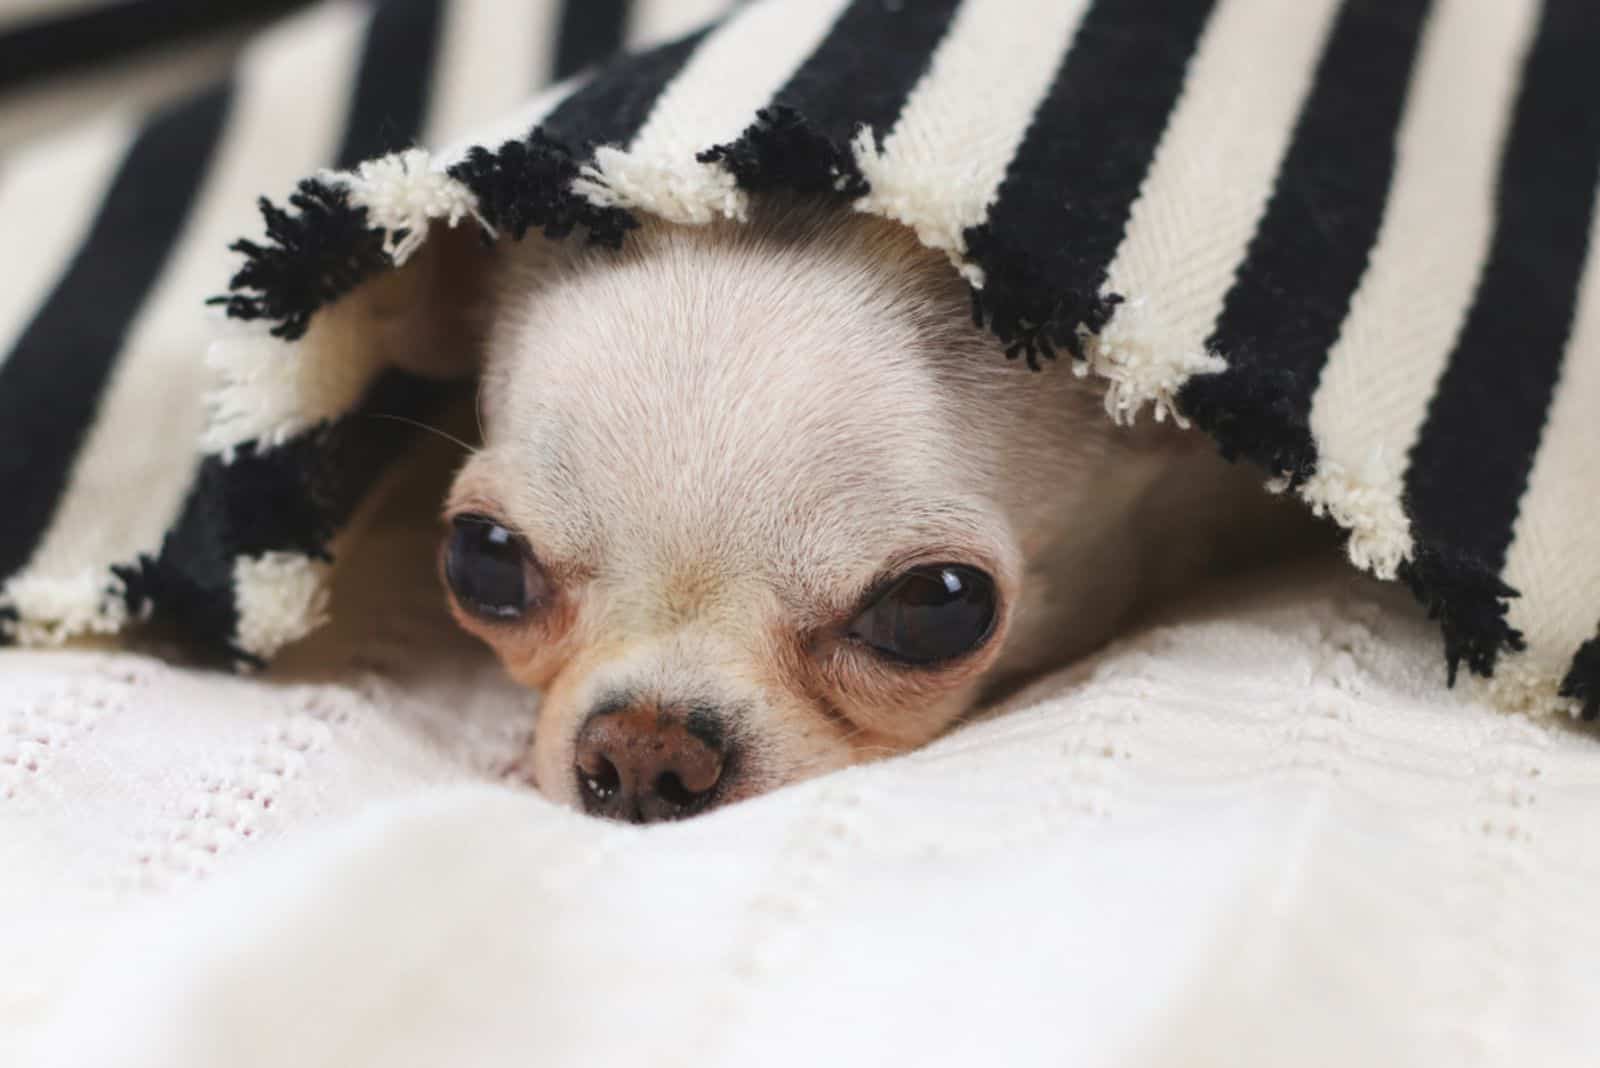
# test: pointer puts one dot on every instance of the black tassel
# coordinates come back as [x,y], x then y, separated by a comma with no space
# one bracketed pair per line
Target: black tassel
[1582,683]
[782,150]
[317,250]
[1468,600]
[1254,417]
[526,185]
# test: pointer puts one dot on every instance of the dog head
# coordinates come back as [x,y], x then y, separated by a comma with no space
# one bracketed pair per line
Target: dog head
[758,501]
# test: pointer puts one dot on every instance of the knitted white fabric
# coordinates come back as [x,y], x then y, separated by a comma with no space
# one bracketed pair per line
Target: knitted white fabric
[1260,833]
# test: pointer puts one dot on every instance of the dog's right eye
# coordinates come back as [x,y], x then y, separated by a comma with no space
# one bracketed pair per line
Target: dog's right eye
[489,569]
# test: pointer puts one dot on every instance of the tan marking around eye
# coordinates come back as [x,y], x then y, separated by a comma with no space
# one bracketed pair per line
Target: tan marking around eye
[532,650]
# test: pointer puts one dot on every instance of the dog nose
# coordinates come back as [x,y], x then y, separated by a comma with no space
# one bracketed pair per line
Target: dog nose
[642,764]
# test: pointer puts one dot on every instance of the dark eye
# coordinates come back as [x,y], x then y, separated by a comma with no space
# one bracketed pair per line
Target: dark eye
[930,614]
[489,569]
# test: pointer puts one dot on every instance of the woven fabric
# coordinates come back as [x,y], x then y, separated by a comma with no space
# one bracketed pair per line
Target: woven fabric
[1258,833]
[1351,239]
[49,38]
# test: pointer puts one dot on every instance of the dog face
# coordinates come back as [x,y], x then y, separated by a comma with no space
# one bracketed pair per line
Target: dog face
[759,501]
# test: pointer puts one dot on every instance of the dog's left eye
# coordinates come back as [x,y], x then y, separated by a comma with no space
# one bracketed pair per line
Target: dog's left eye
[930,615]
[489,569]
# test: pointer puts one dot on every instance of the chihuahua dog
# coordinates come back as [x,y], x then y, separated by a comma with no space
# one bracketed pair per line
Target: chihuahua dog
[758,500]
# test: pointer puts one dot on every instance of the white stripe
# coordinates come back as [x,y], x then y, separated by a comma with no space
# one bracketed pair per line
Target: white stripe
[129,480]
[1208,186]
[15,13]
[49,196]
[271,391]
[1405,316]
[940,167]
[653,21]
[1554,561]
[281,597]
[493,54]
[712,101]
[513,125]
[131,86]
[650,22]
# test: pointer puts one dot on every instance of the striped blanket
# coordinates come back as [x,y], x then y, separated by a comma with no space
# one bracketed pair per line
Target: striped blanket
[1353,240]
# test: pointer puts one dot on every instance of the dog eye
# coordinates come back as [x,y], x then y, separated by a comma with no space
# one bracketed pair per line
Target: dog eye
[929,615]
[489,569]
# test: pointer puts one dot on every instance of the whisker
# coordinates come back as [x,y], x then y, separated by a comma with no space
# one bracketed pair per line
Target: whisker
[452,439]
[477,410]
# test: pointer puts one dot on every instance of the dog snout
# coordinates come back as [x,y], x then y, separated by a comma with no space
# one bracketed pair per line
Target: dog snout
[639,762]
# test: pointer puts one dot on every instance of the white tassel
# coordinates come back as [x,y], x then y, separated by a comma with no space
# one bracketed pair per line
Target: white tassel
[1367,504]
[282,597]
[1138,375]
[405,195]
[52,609]
[691,194]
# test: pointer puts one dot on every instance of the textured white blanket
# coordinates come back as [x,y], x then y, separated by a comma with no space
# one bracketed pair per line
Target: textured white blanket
[1258,833]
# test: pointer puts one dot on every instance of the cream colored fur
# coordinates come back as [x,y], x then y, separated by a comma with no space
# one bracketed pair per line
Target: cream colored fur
[718,439]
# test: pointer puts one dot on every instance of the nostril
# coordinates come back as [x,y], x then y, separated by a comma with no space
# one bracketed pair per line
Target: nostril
[643,764]
[600,778]
[671,789]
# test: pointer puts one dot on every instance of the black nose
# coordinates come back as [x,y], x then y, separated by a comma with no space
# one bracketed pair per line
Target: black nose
[641,763]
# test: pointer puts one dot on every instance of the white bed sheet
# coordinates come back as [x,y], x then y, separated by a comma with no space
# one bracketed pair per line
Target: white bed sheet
[1257,832]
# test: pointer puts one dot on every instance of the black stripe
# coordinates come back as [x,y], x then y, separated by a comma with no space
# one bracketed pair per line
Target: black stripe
[802,140]
[392,82]
[1472,459]
[1062,209]
[320,247]
[48,46]
[852,80]
[292,498]
[1582,683]
[526,184]
[50,386]
[611,108]
[316,250]
[591,31]
[1311,248]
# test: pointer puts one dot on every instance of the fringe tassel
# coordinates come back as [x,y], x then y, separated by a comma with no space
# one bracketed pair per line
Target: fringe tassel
[527,185]
[1468,601]
[1031,320]
[317,250]
[783,150]
[324,245]
[1582,683]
